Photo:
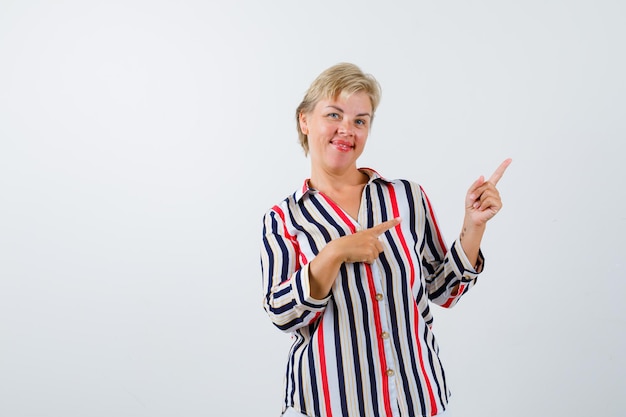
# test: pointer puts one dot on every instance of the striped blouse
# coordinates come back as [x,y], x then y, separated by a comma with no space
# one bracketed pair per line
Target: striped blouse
[367,349]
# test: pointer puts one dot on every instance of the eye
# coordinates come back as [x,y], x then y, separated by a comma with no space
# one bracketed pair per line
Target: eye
[333,115]
[361,122]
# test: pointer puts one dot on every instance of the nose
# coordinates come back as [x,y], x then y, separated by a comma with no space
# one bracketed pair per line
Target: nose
[345,128]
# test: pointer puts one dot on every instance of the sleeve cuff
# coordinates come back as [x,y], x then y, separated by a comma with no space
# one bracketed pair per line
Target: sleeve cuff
[467,270]
[302,290]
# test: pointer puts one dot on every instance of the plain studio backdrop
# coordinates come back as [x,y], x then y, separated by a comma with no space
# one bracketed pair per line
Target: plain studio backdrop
[141,142]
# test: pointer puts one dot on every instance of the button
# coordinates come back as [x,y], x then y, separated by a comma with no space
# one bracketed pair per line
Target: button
[384,335]
[390,372]
[379,297]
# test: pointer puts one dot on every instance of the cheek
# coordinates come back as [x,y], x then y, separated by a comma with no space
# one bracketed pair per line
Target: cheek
[325,130]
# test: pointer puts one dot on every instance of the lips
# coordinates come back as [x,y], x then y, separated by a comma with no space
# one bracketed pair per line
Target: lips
[342,145]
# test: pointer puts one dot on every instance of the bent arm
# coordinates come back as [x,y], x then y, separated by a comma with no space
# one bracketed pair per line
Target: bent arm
[286,283]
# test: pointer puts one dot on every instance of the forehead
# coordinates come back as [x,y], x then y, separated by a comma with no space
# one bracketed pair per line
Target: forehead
[358,102]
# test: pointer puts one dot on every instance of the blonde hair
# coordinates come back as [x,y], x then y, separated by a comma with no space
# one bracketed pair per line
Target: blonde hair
[342,78]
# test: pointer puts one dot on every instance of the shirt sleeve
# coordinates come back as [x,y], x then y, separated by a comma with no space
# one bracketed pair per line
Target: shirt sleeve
[287,295]
[448,274]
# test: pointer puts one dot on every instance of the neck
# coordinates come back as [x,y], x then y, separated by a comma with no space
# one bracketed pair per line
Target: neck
[326,181]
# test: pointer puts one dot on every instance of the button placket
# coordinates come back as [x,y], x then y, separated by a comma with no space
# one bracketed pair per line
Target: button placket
[385,335]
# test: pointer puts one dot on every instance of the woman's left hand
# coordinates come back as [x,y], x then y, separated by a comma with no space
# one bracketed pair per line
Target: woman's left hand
[482,201]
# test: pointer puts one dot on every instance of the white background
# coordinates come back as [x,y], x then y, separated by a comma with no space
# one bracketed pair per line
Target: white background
[142,141]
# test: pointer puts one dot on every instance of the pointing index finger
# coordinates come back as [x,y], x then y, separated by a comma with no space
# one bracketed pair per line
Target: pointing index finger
[499,172]
[379,229]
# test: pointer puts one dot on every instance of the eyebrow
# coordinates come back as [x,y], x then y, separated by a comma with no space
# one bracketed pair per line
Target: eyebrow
[341,110]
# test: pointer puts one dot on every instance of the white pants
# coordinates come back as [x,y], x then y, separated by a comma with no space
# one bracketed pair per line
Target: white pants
[290,412]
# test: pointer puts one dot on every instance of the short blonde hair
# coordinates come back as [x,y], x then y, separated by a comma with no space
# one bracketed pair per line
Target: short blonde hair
[342,78]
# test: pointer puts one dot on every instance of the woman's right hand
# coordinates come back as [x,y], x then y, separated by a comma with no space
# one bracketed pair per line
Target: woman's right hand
[363,246]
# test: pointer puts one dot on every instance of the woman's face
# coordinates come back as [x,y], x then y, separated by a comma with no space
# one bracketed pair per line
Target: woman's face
[337,130]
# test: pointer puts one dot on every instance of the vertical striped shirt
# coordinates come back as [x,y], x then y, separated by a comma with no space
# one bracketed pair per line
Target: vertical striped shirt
[367,349]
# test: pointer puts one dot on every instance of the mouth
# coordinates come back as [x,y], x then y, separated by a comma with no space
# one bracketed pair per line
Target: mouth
[342,145]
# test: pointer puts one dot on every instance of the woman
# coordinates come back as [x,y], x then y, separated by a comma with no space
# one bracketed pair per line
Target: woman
[351,260]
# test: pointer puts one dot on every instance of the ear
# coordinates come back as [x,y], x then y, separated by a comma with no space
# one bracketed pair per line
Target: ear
[303,123]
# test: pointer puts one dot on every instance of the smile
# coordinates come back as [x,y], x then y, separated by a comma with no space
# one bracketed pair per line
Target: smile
[342,145]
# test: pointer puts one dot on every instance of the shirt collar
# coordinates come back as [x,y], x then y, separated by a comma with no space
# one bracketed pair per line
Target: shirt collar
[306,189]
